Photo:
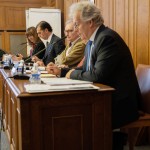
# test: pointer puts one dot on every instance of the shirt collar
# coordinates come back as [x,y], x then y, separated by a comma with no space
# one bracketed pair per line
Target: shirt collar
[49,38]
[72,43]
[94,34]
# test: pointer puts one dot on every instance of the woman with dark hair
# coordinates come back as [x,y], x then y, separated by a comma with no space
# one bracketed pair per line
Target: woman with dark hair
[35,43]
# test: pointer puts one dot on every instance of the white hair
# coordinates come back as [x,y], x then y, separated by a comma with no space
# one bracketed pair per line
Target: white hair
[69,21]
[88,11]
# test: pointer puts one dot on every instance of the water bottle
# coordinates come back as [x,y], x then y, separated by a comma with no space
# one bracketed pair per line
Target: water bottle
[24,68]
[35,74]
[20,69]
[6,59]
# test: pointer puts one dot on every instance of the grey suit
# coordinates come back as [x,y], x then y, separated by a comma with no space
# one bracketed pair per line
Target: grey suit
[112,64]
[53,49]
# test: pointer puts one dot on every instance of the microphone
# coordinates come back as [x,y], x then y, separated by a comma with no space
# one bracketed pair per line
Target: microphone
[58,41]
[27,42]
[46,47]
[21,50]
[21,77]
[18,71]
[23,43]
[8,64]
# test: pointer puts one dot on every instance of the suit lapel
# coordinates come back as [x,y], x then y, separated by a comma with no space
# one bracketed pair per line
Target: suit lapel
[95,45]
[79,39]
[49,46]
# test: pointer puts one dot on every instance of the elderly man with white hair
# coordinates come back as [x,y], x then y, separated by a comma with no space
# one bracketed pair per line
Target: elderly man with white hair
[108,61]
[74,51]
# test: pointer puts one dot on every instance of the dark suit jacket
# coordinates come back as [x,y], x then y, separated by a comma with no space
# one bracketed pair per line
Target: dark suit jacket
[112,65]
[53,49]
[38,47]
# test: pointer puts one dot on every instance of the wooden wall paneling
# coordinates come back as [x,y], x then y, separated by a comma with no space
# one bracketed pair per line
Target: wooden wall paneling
[9,1]
[119,19]
[2,18]
[130,18]
[1,89]
[131,29]
[106,7]
[24,1]
[126,30]
[24,5]
[15,18]
[66,7]
[111,13]
[142,34]
[7,41]
[67,4]
[41,2]
[98,3]
[60,5]
[2,40]
[13,41]
[51,3]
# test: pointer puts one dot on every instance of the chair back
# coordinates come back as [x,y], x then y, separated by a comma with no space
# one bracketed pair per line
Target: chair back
[143,77]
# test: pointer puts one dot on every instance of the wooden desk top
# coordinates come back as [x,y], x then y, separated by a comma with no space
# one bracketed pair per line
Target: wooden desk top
[18,88]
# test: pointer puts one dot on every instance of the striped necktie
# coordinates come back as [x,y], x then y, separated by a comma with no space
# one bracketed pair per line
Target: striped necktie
[89,44]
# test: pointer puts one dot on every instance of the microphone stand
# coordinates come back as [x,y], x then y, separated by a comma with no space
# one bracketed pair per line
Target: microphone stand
[45,48]
[21,50]
[23,43]
[23,76]
[35,54]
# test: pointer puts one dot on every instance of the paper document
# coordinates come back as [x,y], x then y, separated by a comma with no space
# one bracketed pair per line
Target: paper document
[47,76]
[36,88]
[42,72]
[63,81]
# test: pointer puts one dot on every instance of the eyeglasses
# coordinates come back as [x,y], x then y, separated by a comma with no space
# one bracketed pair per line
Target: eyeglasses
[76,26]
[68,31]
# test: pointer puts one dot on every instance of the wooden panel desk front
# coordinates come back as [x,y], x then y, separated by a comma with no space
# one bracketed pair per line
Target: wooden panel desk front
[71,120]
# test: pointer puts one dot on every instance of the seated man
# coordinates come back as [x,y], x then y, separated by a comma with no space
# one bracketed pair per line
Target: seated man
[108,61]
[74,51]
[44,31]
